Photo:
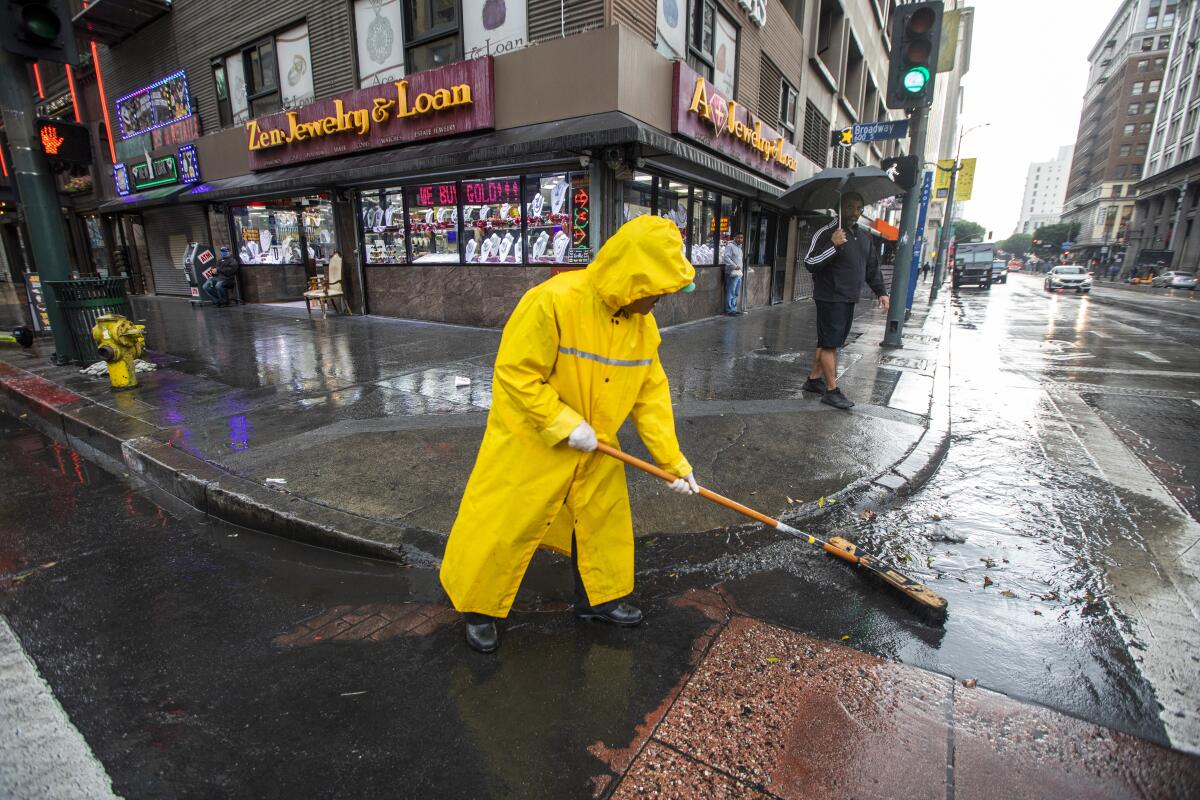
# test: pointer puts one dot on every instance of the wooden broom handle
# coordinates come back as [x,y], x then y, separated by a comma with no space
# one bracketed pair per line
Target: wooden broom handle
[646,466]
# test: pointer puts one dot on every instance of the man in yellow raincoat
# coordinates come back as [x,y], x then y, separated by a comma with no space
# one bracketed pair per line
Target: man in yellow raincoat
[578,355]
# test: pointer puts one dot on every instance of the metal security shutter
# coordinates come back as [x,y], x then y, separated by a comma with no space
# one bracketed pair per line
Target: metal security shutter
[552,19]
[816,135]
[168,232]
[770,87]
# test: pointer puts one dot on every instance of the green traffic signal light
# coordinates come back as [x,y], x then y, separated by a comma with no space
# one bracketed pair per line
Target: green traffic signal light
[915,80]
[41,24]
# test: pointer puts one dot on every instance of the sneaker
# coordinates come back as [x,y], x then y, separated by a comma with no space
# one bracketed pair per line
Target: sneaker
[835,398]
[816,384]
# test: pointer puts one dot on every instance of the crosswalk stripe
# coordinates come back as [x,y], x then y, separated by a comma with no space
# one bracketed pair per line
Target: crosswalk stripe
[1151,356]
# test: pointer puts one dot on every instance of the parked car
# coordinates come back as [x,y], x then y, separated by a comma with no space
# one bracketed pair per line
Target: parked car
[1175,280]
[1068,277]
[999,271]
[972,265]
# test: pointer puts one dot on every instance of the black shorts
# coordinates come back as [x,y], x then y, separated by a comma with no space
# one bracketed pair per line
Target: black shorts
[833,322]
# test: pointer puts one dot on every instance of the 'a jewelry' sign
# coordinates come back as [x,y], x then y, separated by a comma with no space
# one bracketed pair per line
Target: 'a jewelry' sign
[719,122]
[426,105]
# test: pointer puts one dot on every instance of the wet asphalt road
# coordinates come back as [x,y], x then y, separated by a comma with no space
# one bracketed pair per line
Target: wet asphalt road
[183,648]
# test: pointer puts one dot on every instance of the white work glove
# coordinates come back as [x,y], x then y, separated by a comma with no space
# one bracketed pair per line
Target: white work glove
[583,437]
[686,484]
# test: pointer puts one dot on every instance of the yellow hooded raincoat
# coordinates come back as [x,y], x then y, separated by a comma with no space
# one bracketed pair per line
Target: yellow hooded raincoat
[568,354]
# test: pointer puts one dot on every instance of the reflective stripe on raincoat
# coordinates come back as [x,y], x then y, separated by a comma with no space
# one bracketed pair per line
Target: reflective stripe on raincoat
[568,354]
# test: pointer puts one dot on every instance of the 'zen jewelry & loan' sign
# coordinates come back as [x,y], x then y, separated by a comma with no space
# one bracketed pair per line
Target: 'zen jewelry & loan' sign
[426,105]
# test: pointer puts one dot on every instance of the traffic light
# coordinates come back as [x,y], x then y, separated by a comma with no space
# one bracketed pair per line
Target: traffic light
[916,34]
[903,170]
[39,29]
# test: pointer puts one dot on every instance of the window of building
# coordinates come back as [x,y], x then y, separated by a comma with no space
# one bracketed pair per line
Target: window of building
[1138,87]
[1124,150]
[1134,108]
[247,81]
[1147,44]
[383,226]
[1164,42]
[377,35]
[712,46]
[829,35]
[795,9]
[1120,174]
[1139,149]
[788,97]
[492,221]
[1128,130]
[1151,22]
[431,34]
[704,227]
[1143,65]
[433,223]
[1136,171]
[1154,87]
[549,230]
[1144,128]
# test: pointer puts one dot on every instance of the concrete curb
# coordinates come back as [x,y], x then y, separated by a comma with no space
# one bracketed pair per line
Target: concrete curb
[125,445]
[916,467]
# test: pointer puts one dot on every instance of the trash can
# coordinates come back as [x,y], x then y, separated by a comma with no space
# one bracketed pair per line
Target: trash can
[81,302]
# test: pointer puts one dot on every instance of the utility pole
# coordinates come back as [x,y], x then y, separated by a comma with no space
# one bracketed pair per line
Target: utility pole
[36,30]
[947,232]
[902,271]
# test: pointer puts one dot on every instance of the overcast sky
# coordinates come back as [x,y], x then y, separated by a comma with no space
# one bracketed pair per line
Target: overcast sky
[1027,78]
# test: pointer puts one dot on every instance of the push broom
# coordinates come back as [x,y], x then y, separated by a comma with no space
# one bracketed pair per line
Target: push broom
[918,593]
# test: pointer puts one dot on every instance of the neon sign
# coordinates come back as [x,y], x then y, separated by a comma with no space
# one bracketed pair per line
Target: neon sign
[580,218]
[121,179]
[446,195]
[161,103]
[158,172]
[189,164]
[492,192]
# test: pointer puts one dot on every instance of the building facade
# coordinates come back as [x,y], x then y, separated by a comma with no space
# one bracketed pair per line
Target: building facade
[1127,66]
[1165,233]
[457,153]
[1045,190]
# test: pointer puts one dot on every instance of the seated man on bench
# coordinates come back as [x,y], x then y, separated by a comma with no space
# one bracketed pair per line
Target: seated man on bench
[220,279]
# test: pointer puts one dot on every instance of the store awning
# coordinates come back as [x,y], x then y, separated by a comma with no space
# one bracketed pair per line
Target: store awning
[494,151]
[113,21]
[135,202]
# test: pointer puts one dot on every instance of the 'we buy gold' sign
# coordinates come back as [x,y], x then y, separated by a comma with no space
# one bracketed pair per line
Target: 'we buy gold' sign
[426,105]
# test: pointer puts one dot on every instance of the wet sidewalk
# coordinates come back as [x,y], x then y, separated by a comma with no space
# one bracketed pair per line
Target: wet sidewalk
[360,432]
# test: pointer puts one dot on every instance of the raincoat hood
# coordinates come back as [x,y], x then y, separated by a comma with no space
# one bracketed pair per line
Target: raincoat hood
[643,258]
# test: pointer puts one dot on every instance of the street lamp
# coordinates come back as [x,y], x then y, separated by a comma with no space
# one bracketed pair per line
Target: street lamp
[947,230]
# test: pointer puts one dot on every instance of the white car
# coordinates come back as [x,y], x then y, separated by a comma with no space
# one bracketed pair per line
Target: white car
[1175,280]
[1068,277]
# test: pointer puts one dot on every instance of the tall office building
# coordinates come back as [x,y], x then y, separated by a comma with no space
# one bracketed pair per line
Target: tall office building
[1127,65]
[1045,190]
[1165,224]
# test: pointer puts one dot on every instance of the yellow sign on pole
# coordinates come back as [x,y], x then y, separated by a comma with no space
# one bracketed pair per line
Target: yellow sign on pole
[966,179]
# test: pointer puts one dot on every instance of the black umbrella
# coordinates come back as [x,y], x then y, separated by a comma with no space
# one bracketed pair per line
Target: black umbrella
[825,189]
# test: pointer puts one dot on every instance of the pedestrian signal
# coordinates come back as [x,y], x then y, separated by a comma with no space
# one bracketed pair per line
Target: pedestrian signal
[39,29]
[916,34]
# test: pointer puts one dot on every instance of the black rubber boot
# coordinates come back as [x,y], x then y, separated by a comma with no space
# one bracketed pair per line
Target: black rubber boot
[614,612]
[481,632]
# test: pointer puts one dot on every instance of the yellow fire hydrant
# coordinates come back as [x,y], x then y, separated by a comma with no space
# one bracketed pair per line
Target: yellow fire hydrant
[119,342]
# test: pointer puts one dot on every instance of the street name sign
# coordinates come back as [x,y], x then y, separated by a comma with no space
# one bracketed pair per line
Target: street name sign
[869,132]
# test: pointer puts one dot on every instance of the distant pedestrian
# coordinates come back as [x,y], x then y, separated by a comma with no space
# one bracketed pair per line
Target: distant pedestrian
[578,355]
[840,258]
[220,279]
[924,271]
[732,259]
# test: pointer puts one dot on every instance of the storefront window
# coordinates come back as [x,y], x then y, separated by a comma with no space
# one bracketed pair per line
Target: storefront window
[433,223]
[492,221]
[704,228]
[729,224]
[548,235]
[284,231]
[95,240]
[320,238]
[673,205]
[639,196]
[383,226]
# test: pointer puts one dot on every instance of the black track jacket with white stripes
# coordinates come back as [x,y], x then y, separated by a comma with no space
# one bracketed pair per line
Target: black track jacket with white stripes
[838,272]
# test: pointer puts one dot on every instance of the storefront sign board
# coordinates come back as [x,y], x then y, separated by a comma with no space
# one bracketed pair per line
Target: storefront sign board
[158,172]
[702,114]
[433,104]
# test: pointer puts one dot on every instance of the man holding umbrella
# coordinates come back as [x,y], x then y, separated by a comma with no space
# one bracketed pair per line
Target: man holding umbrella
[840,258]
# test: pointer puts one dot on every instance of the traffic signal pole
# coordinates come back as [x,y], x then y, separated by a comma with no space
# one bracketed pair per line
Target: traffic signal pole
[902,271]
[39,198]
[947,233]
